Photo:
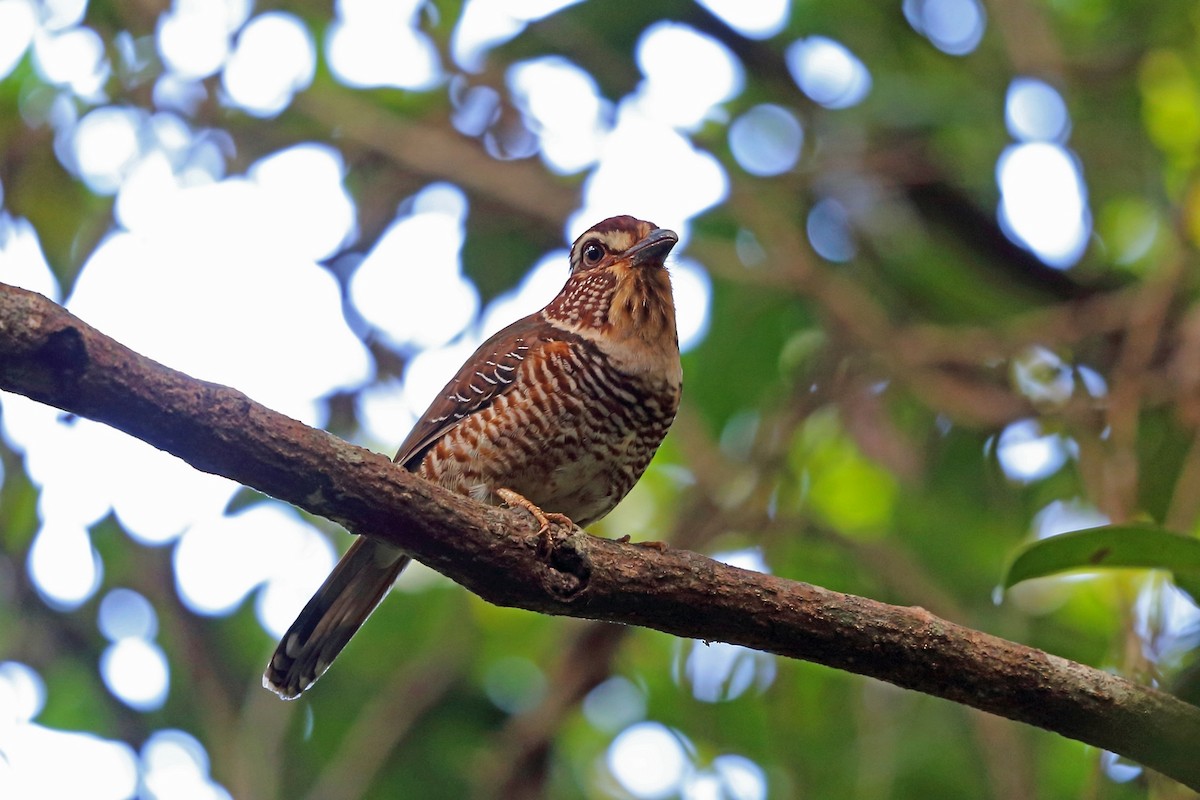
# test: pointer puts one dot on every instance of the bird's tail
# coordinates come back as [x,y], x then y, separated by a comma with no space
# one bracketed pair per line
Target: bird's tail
[339,608]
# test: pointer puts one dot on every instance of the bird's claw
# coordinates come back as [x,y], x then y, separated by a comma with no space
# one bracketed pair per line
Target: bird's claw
[661,547]
[544,518]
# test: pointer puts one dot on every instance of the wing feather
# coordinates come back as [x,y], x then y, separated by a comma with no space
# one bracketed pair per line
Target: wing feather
[488,374]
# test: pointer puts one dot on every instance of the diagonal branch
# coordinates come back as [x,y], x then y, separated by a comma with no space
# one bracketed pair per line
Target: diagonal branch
[53,357]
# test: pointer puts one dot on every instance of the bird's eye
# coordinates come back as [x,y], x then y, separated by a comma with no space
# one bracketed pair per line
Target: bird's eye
[592,253]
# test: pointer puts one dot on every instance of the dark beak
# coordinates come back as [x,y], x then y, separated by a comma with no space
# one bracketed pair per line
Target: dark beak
[653,249]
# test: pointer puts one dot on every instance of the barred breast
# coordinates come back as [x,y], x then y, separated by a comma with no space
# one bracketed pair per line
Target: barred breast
[573,435]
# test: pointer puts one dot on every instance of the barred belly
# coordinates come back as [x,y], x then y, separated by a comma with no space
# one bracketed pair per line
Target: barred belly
[573,436]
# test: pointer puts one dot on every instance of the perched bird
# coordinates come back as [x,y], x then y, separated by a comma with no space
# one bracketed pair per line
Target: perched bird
[560,412]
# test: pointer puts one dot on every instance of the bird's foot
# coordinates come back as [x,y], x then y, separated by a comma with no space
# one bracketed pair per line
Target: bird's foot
[661,547]
[544,518]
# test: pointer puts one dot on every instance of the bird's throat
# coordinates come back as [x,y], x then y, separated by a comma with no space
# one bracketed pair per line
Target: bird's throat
[641,306]
[627,311]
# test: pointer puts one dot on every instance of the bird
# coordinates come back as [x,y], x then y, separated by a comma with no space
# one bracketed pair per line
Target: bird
[560,413]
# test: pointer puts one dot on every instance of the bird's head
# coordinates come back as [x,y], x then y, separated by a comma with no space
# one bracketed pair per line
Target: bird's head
[618,240]
[619,292]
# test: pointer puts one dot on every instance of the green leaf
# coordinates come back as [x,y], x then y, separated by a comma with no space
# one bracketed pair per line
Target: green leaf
[1109,546]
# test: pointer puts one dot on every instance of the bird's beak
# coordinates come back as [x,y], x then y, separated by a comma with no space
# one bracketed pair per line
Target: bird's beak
[654,248]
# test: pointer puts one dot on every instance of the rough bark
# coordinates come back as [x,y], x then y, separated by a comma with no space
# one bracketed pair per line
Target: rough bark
[53,357]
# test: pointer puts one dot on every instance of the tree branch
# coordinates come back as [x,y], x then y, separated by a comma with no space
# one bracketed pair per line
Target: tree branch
[51,356]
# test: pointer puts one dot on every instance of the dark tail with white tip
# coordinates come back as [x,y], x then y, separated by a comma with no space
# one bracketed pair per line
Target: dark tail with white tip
[339,608]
